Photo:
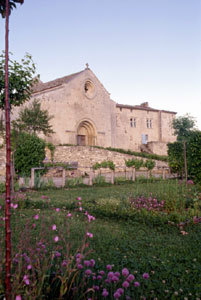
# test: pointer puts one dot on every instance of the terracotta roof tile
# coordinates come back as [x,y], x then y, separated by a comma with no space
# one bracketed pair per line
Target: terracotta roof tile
[141,107]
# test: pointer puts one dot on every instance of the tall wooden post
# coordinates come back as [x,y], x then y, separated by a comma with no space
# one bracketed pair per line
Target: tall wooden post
[8,167]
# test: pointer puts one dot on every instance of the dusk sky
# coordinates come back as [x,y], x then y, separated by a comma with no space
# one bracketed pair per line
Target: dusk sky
[141,50]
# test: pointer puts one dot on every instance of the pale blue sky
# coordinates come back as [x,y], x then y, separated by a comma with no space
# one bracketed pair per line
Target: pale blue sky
[141,50]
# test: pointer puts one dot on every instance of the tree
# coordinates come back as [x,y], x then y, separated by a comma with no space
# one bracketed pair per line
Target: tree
[11,6]
[33,119]
[30,153]
[183,127]
[5,9]
[20,80]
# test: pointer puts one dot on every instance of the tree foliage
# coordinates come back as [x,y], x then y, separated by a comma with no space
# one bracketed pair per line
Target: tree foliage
[20,80]
[135,163]
[33,119]
[193,156]
[30,153]
[12,4]
[183,126]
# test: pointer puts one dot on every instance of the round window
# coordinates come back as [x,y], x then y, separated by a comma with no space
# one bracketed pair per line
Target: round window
[89,89]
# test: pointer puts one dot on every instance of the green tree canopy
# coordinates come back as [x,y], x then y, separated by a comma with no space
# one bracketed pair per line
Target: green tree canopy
[30,153]
[183,126]
[12,4]
[33,119]
[20,80]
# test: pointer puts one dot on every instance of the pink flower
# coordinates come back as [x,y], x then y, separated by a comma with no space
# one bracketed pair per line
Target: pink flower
[56,238]
[125,284]
[15,206]
[18,297]
[130,278]
[102,273]
[125,272]
[80,266]
[87,263]
[117,295]
[33,225]
[115,278]
[69,215]
[29,267]
[90,235]
[105,293]
[99,277]
[110,275]
[80,208]
[120,291]
[88,272]
[57,209]
[26,279]
[145,275]
[136,284]
[109,267]
[92,263]
[54,227]
[79,198]
[36,217]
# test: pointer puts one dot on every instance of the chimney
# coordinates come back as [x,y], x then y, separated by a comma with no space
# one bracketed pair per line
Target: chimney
[145,104]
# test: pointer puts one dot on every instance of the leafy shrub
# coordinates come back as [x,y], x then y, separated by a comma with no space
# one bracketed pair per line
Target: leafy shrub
[105,164]
[136,163]
[30,153]
[149,164]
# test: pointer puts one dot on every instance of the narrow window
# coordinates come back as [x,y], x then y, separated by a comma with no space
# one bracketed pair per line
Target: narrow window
[131,122]
[147,123]
[134,122]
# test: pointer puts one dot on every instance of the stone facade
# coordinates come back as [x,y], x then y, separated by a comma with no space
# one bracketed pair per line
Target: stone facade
[85,115]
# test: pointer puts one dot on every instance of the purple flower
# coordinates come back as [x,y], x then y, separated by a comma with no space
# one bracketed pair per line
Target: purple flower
[26,279]
[117,274]
[88,272]
[130,278]
[54,227]
[102,272]
[36,217]
[57,209]
[125,272]
[90,235]
[125,284]
[145,275]
[136,284]
[29,267]
[80,266]
[120,291]
[79,198]
[110,275]
[117,295]
[18,297]
[109,267]
[92,262]
[99,277]
[115,278]
[56,238]
[87,263]
[105,293]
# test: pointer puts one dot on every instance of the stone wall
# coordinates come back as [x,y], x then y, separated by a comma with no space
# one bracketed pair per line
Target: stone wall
[88,156]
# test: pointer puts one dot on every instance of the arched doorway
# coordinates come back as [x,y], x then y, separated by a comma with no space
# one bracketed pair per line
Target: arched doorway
[86,134]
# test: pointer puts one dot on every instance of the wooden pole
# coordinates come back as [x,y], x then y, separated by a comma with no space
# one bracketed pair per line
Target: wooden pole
[8,168]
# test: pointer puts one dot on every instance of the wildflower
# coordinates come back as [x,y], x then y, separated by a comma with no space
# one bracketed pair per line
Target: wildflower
[33,225]
[80,266]
[109,267]
[64,263]
[15,206]
[57,209]
[92,263]
[145,275]
[90,235]
[36,217]
[130,278]
[183,232]
[87,263]
[105,293]
[110,275]
[99,277]
[128,297]
[79,198]
[120,291]
[117,274]
[102,273]
[26,279]
[115,278]
[136,284]
[125,284]
[125,272]
[80,208]
[57,254]
[56,238]
[88,272]
[29,267]
[54,227]
[117,295]
[69,215]
[18,297]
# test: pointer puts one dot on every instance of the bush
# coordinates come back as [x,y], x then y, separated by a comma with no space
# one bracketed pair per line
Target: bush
[30,153]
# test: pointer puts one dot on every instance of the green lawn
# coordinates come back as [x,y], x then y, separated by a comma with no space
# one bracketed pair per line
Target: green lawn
[142,241]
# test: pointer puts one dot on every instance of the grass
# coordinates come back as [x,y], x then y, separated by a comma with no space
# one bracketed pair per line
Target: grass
[164,243]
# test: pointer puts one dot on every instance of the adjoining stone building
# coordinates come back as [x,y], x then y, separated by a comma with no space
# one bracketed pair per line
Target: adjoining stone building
[84,114]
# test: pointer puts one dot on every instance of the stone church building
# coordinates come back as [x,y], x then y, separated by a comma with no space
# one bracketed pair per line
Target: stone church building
[84,114]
